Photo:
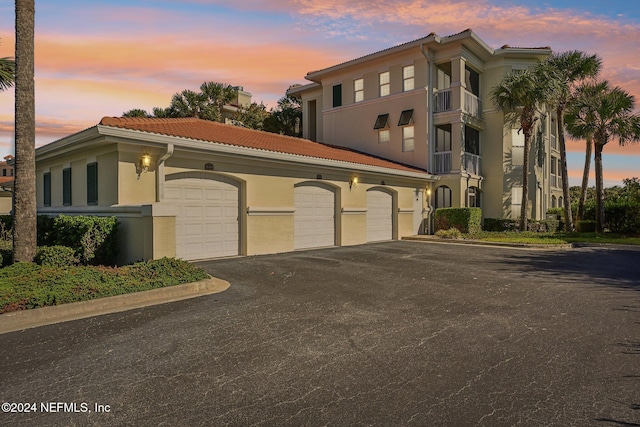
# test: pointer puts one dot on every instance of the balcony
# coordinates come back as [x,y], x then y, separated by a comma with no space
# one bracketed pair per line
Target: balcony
[472,104]
[442,100]
[442,162]
[471,163]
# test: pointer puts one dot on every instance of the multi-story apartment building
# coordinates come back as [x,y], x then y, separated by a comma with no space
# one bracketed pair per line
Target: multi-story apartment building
[427,103]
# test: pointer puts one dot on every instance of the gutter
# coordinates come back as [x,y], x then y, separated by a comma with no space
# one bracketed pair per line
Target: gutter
[160,172]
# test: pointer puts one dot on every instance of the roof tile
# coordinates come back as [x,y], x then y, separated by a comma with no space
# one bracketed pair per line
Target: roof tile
[205,130]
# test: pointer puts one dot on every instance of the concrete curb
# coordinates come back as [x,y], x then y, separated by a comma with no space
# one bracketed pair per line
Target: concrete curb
[542,246]
[26,319]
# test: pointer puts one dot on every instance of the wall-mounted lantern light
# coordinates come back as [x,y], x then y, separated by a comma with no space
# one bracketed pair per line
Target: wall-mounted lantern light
[143,164]
[353,182]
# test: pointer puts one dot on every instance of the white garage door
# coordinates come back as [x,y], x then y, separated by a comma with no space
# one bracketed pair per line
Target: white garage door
[379,216]
[314,224]
[207,219]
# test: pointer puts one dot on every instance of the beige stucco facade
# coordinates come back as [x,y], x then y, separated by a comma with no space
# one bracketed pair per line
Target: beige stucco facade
[265,185]
[458,134]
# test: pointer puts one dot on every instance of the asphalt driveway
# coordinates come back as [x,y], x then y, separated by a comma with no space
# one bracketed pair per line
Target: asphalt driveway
[390,334]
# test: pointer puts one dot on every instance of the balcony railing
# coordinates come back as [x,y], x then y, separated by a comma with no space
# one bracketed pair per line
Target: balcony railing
[471,163]
[472,104]
[442,100]
[442,162]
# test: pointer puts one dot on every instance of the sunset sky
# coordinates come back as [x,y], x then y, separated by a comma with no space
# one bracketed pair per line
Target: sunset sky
[101,58]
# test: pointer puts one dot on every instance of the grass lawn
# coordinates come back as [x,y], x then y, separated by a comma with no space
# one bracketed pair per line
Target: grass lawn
[26,285]
[553,238]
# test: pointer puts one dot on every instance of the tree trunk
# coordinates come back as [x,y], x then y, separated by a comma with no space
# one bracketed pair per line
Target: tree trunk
[524,211]
[24,193]
[568,217]
[599,188]
[585,181]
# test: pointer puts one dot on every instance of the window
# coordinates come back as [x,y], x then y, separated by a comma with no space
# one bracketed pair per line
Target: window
[443,197]
[407,138]
[66,187]
[47,188]
[92,183]
[406,118]
[517,148]
[358,90]
[408,78]
[555,179]
[4,172]
[516,201]
[385,87]
[384,136]
[474,197]
[337,96]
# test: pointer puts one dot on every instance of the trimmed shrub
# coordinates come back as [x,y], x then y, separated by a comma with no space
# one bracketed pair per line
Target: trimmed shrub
[452,233]
[466,220]
[586,226]
[56,256]
[556,211]
[6,256]
[46,236]
[94,238]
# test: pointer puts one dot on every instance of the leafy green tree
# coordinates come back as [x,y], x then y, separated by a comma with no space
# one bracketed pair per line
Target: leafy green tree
[24,206]
[253,116]
[136,112]
[286,118]
[609,116]
[568,69]
[217,95]
[522,95]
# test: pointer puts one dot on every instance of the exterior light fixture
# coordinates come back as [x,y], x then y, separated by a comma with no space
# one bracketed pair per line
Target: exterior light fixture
[353,182]
[143,164]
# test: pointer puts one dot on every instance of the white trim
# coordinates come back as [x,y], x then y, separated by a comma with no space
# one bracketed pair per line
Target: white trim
[270,211]
[354,211]
[405,210]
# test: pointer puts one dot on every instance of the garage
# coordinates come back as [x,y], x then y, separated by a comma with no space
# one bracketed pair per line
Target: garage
[379,216]
[207,217]
[314,217]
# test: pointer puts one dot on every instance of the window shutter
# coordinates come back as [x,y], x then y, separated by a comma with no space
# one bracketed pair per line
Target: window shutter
[92,184]
[47,188]
[66,187]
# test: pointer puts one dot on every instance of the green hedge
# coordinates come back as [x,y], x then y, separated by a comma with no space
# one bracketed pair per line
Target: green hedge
[586,226]
[28,285]
[94,239]
[467,220]
[507,224]
[56,256]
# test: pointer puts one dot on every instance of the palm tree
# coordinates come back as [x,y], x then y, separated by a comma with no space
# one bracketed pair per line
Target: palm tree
[189,104]
[24,207]
[609,113]
[521,96]
[7,73]
[136,112]
[579,122]
[568,68]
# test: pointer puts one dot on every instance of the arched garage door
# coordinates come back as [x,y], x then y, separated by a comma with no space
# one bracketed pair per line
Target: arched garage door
[314,217]
[207,219]
[379,216]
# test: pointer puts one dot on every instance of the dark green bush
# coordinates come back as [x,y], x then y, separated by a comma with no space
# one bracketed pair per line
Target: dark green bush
[586,226]
[56,256]
[466,220]
[501,224]
[6,254]
[28,285]
[555,211]
[46,236]
[94,238]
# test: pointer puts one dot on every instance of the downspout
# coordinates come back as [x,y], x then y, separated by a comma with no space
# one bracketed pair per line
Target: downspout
[160,172]
[430,129]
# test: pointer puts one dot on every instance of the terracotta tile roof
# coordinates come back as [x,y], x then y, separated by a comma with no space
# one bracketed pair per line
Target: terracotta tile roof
[5,180]
[205,130]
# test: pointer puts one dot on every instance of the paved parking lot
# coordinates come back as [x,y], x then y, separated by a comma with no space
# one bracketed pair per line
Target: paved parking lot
[398,333]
